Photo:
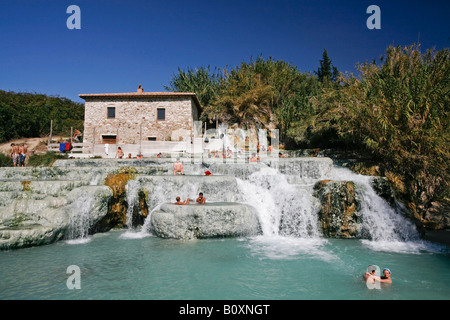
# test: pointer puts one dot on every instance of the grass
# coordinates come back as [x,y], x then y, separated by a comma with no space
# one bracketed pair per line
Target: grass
[45,160]
[5,161]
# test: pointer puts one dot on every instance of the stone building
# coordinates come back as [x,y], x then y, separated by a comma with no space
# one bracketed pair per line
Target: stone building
[130,118]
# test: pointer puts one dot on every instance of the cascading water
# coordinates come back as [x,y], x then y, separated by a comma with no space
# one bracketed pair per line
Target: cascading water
[289,210]
[383,227]
[132,189]
[286,207]
[283,208]
[161,194]
[287,214]
[79,220]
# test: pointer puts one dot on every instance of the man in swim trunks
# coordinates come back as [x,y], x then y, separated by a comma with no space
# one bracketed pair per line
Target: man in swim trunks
[178,167]
[23,151]
[15,154]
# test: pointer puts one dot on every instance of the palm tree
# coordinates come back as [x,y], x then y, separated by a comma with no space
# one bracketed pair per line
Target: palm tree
[248,108]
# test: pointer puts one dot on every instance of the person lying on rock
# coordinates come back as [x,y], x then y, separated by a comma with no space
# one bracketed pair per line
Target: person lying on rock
[181,203]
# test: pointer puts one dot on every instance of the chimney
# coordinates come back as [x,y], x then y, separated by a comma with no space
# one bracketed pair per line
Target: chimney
[140,89]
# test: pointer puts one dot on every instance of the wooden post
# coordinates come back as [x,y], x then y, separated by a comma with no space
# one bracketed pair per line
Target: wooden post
[140,139]
[93,143]
[50,136]
[71,134]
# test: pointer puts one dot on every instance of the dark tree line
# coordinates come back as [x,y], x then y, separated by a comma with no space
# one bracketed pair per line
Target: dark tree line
[26,115]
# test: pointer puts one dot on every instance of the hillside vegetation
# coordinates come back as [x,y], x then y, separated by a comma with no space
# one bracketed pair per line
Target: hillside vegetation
[25,115]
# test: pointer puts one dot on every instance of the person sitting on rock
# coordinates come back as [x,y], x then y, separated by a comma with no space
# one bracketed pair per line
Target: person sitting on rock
[201,199]
[182,203]
[255,158]
[178,167]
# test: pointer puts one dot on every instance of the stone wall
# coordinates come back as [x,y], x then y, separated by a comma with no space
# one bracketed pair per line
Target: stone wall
[180,113]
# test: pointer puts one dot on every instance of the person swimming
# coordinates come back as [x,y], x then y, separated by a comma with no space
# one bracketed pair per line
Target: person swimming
[386,277]
[370,275]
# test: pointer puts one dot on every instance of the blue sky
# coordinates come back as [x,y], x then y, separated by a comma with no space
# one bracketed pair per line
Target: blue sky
[122,44]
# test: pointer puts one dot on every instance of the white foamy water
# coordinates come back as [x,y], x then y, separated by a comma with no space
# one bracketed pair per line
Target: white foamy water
[283,208]
[79,219]
[79,241]
[135,234]
[383,227]
[288,212]
[146,229]
[290,248]
[288,217]
[132,189]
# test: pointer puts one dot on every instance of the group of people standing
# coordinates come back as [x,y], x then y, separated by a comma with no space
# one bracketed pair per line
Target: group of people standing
[19,153]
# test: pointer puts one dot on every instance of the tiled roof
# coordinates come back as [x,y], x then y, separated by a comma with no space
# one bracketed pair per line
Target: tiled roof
[141,95]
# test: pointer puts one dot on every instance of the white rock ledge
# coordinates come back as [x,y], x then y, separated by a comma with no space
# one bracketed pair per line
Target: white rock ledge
[211,220]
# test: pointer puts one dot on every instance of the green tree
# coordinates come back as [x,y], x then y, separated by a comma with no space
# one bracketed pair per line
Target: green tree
[26,115]
[247,103]
[399,112]
[201,81]
[279,93]
[327,73]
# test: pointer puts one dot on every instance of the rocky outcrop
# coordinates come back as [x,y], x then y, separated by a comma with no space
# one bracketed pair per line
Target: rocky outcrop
[205,221]
[382,187]
[44,215]
[437,216]
[339,205]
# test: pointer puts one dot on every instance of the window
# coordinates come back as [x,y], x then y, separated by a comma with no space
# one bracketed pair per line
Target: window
[111,112]
[161,114]
[109,139]
[151,138]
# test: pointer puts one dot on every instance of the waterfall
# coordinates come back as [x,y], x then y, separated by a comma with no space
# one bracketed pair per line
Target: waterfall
[383,228]
[132,189]
[287,209]
[283,208]
[380,222]
[283,199]
[79,220]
